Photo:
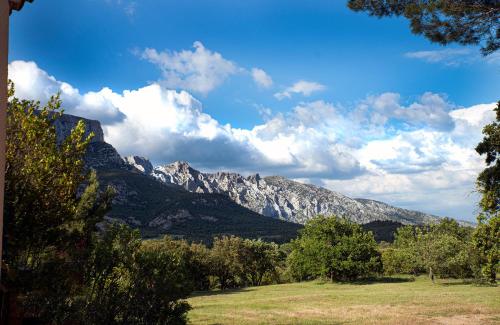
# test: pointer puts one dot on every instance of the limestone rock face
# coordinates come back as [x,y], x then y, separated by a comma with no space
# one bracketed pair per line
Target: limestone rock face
[102,155]
[66,123]
[140,163]
[282,198]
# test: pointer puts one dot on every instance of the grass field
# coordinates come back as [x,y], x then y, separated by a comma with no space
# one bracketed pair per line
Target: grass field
[393,301]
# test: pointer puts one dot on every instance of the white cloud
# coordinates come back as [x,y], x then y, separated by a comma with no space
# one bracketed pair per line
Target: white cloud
[431,111]
[419,155]
[200,70]
[424,169]
[171,126]
[306,88]
[261,78]
[453,57]
[31,82]
[129,7]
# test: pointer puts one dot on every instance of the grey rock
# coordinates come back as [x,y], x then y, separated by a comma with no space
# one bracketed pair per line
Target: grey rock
[285,199]
[140,163]
[102,155]
[66,123]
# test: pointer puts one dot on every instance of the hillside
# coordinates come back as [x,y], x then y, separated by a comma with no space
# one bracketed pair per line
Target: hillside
[157,209]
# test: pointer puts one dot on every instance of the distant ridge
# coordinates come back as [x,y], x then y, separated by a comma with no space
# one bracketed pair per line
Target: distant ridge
[179,200]
[281,198]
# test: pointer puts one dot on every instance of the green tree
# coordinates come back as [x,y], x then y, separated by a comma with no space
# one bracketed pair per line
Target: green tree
[199,266]
[403,256]
[226,261]
[487,235]
[107,272]
[442,249]
[259,259]
[130,282]
[334,248]
[443,21]
[196,259]
[47,225]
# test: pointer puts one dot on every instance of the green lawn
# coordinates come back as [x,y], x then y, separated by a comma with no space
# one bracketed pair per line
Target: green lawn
[389,302]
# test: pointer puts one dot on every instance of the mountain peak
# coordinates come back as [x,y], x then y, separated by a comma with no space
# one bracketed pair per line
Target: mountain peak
[140,163]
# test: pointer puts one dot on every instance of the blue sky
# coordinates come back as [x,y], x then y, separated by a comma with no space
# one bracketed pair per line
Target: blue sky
[341,85]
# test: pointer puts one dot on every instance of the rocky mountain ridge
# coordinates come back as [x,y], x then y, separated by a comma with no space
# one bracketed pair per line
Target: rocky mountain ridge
[158,208]
[272,196]
[281,198]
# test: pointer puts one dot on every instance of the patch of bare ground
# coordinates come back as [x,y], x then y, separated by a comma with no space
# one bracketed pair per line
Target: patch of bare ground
[366,314]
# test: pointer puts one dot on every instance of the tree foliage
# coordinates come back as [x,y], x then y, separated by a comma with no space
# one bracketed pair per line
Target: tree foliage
[259,259]
[488,182]
[51,208]
[334,248]
[443,249]
[487,235]
[444,21]
[133,282]
[58,269]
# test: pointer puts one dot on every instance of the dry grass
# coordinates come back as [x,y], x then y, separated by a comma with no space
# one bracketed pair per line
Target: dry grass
[410,302]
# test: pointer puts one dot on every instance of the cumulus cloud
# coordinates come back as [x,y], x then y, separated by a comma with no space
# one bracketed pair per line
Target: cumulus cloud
[424,169]
[31,82]
[305,88]
[418,155]
[430,111]
[199,70]
[261,78]
[171,126]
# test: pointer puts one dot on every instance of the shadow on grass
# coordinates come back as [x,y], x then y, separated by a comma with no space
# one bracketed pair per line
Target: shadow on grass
[372,280]
[220,292]
[474,282]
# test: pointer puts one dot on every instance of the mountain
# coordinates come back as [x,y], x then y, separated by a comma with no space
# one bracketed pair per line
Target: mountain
[284,199]
[179,200]
[157,208]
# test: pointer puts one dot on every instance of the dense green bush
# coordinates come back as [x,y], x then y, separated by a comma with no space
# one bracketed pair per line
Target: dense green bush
[334,248]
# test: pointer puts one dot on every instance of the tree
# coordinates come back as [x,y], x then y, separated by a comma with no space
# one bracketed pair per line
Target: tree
[107,273]
[403,256]
[196,259]
[487,234]
[199,266]
[51,208]
[226,262]
[334,248]
[259,259]
[442,249]
[443,21]
[130,282]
